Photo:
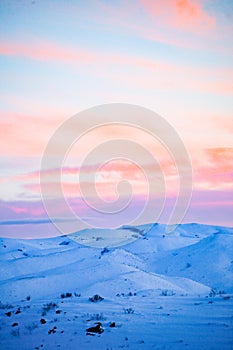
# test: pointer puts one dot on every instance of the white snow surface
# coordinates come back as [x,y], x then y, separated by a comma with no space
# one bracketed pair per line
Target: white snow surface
[163,291]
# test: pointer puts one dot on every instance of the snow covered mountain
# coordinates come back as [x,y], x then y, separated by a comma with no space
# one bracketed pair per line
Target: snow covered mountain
[155,281]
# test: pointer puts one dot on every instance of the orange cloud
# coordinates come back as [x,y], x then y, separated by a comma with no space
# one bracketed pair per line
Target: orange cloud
[221,158]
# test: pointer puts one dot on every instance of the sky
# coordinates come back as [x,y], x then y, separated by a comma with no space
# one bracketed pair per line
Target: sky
[58,58]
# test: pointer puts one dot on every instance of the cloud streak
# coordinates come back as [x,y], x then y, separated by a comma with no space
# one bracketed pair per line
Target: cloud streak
[180,14]
[159,74]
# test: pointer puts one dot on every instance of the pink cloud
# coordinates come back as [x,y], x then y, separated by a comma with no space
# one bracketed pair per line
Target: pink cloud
[215,169]
[180,23]
[24,209]
[159,74]
[49,51]
[46,52]
[25,134]
[18,210]
[223,123]
[174,78]
[49,173]
[180,14]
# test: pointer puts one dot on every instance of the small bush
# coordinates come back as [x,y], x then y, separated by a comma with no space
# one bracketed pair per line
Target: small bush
[53,330]
[96,298]
[213,292]
[96,317]
[66,295]
[18,311]
[167,292]
[48,307]
[129,310]
[104,251]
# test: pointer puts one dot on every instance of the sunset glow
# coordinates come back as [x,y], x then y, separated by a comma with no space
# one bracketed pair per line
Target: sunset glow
[59,58]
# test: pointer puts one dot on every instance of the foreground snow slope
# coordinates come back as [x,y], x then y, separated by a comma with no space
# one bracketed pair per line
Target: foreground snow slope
[157,289]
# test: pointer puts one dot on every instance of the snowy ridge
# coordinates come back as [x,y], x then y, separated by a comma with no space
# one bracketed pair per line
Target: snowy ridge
[154,258]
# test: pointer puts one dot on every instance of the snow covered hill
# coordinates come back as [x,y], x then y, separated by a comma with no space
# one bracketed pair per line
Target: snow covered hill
[153,276]
[209,261]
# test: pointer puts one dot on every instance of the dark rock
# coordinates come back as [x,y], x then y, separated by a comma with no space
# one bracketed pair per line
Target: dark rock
[64,243]
[96,329]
